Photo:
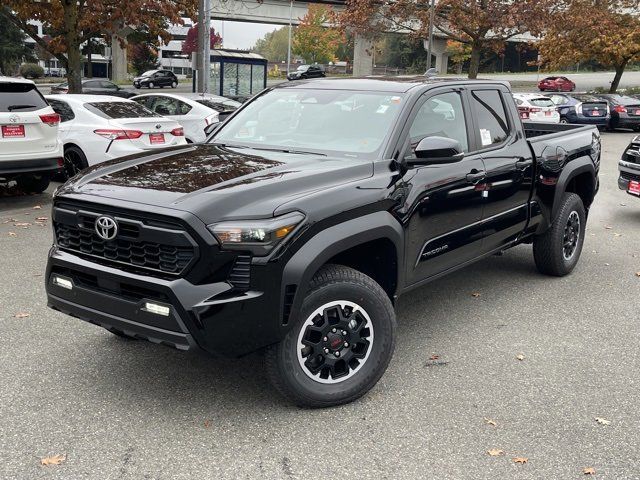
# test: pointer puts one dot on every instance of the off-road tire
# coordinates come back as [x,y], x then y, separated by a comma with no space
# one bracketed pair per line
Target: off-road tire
[334,283]
[548,248]
[33,183]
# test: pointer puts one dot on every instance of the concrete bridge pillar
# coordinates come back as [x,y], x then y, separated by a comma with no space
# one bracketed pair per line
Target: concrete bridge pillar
[362,56]
[439,50]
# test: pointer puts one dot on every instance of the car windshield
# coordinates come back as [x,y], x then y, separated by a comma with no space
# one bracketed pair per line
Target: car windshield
[148,73]
[119,110]
[541,102]
[303,68]
[336,122]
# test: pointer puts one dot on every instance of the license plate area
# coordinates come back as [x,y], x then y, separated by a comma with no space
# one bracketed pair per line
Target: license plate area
[634,188]
[156,138]
[13,131]
[595,113]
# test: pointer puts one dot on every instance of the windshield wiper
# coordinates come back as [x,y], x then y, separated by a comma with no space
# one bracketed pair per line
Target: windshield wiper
[285,150]
[11,108]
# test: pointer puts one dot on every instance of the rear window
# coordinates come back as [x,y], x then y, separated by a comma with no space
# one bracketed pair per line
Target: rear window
[20,97]
[627,101]
[541,102]
[220,106]
[119,110]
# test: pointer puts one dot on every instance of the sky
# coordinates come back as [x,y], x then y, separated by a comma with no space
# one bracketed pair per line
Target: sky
[241,35]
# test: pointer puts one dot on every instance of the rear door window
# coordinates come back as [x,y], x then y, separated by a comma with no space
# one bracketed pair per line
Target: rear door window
[20,97]
[92,84]
[63,109]
[541,102]
[116,110]
[493,127]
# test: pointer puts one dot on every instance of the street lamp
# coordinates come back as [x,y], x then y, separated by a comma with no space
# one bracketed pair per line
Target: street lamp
[289,44]
[431,13]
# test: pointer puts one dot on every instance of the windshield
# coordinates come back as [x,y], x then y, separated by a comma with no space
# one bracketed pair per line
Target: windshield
[303,68]
[148,73]
[336,122]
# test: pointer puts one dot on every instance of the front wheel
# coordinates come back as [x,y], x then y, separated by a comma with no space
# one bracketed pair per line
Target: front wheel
[557,251]
[341,345]
[174,85]
[152,85]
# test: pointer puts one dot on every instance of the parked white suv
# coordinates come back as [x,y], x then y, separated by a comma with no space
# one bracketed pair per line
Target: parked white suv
[534,107]
[30,151]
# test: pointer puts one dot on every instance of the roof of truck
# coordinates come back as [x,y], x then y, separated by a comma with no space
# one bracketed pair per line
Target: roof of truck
[398,84]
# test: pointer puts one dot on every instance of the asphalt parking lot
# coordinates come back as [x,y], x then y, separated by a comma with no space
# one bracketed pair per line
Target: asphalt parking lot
[494,357]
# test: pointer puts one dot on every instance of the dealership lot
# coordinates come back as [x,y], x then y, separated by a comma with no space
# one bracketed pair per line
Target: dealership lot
[132,410]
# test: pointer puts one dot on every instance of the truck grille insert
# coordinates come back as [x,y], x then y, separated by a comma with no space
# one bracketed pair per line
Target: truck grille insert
[240,276]
[140,245]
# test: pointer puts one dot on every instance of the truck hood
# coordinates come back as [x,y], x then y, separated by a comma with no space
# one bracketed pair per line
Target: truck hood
[215,182]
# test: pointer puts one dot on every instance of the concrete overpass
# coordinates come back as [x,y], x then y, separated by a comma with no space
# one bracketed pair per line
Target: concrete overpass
[279,12]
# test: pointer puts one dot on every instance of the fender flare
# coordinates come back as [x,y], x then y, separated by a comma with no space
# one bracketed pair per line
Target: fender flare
[571,170]
[327,243]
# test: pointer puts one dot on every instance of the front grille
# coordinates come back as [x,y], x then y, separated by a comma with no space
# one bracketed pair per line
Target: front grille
[630,176]
[632,154]
[141,245]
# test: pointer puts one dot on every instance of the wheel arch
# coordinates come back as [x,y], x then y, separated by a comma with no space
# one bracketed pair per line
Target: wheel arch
[73,144]
[372,244]
[579,177]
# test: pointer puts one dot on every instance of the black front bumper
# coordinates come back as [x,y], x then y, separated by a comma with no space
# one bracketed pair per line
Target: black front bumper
[213,317]
[628,171]
[39,166]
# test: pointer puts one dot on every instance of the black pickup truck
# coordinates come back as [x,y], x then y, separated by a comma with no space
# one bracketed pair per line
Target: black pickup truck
[305,215]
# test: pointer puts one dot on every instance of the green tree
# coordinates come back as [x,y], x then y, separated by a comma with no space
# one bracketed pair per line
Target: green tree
[13,50]
[143,57]
[313,41]
[274,45]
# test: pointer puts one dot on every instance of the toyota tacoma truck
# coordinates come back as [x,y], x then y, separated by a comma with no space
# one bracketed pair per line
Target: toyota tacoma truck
[629,167]
[305,215]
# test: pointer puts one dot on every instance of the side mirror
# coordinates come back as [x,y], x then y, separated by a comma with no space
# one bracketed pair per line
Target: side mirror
[212,128]
[437,150]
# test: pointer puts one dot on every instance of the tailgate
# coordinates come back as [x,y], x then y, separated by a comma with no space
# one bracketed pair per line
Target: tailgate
[25,133]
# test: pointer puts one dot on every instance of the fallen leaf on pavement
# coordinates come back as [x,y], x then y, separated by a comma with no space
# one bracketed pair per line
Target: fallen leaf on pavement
[637,274]
[617,234]
[495,452]
[21,315]
[42,219]
[37,207]
[488,421]
[13,234]
[607,264]
[520,356]
[21,224]
[434,357]
[589,471]
[207,424]
[55,460]
[623,204]
[520,460]
[603,421]
[475,294]
[608,227]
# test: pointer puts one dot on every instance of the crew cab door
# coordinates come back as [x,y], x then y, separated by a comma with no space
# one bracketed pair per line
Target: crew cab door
[443,207]
[508,161]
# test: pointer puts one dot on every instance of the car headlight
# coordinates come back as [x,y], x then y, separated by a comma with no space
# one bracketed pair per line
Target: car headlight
[258,236]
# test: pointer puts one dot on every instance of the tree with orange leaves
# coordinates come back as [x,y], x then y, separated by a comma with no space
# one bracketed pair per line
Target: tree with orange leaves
[314,40]
[70,23]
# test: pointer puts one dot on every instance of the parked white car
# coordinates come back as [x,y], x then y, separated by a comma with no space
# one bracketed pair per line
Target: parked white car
[30,151]
[534,107]
[194,111]
[97,128]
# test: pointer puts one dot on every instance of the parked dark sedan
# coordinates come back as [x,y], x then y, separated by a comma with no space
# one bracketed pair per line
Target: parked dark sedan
[582,109]
[306,71]
[625,111]
[96,87]
[556,84]
[156,78]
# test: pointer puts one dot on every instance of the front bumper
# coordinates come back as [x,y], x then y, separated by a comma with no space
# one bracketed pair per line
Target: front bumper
[628,172]
[213,317]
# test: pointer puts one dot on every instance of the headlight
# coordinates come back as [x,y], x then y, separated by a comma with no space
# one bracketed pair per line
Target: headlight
[257,236]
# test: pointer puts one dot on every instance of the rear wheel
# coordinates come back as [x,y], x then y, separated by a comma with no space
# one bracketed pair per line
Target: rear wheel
[74,161]
[341,345]
[152,85]
[33,183]
[174,85]
[557,251]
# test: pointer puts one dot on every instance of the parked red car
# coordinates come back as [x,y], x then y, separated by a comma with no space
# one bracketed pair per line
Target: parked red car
[556,84]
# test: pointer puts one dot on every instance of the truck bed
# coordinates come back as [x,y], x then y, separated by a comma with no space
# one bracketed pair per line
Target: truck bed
[574,139]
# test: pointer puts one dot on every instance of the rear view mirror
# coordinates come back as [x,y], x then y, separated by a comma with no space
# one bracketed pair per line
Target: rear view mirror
[436,150]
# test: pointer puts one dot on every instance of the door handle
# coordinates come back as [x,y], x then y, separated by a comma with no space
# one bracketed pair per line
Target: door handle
[522,163]
[475,176]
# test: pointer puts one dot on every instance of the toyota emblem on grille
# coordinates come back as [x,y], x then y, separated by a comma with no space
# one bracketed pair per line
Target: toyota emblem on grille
[158,126]
[106,228]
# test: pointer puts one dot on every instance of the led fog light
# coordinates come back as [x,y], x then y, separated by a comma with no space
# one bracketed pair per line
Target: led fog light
[156,308]
[62,282]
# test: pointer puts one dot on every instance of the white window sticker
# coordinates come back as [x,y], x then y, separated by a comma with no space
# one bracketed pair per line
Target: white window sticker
[485,136]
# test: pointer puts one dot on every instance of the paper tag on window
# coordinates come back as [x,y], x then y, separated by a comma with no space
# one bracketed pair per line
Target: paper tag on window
[485,136]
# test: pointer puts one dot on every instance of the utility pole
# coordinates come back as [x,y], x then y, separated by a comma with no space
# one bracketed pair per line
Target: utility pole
[206,64]
[429,49]
[289,44]
[202,22]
